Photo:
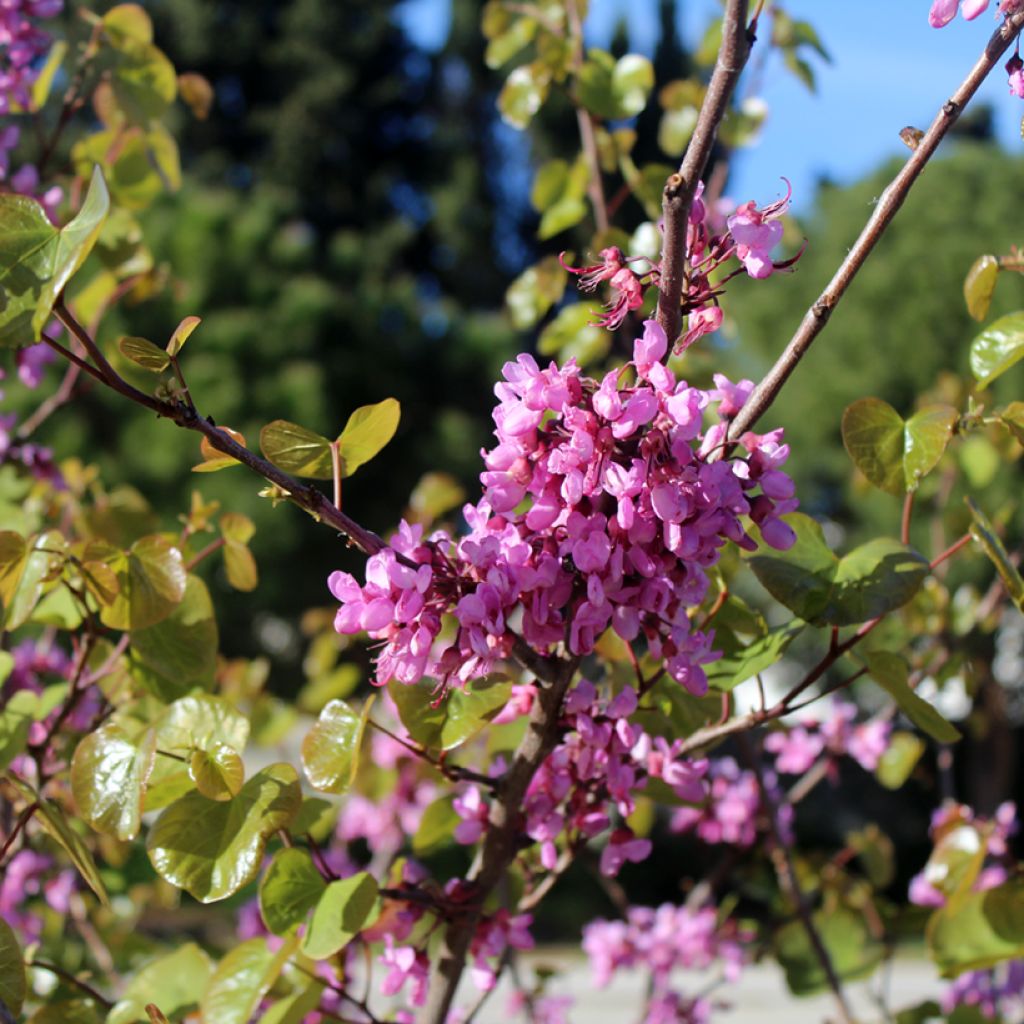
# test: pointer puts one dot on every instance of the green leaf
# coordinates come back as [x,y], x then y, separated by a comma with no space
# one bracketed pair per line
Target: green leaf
[811,582]
[900,759]
[980,284]
[51,819]
[977,930]
[340,914]
[615,89]
[151,584]
[997,348]
[330,750]
[16,718]
[289,890]
[534,292]
[217,773]
[25,568]
[876,853]
[37,260]
[70,1011]
[240,567]
[1012,415]
[143,79]
[561,216]
[523,94]
[242,979]
[632,82]
[852,950]
[460,713]
[728,672]
[437,827]
[212,848]
[433,496]
[128,22]
[572,335]
[894,455]
[44,79]
[179,653]
[109,772]
[13,985]
[367,431]
[984,533]
[296,450]
[295,1008]
[891,673]
[144,353]
[173,982]
[181,334]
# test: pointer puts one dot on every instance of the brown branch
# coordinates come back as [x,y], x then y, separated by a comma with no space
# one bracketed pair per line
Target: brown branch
[67,976]
[680,187]
[892,199]
[501,841]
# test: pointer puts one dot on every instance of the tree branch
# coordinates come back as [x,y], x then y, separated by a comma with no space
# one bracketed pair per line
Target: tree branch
[892,199]
[501,841]
[677,197]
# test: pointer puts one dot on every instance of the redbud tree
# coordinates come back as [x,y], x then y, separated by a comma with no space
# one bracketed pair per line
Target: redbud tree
[568,669]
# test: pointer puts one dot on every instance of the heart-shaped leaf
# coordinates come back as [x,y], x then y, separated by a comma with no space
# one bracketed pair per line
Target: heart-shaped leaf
[980,284]
[217,773]
[977,930]
[242,979]
[25,568]
[296,450]
[367,431]
[892,453]
[151,584]
[37,260]
[823,590]
[211,848]
[173,982]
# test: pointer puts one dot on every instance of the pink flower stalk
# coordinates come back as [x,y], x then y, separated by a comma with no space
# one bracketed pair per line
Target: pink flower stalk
[756,232]
[626,285]
[1015,69]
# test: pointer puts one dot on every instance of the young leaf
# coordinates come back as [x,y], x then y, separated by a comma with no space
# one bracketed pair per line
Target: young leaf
[173,982]
[211,848]
[213,458]
[181,334]
[980,284]
[37,260]
[151,584]
[16,718]
[984,533]
[109,772]
[728,672]
[330,751]
[341,912]
[289,890]
[890,672]
[437,827]
[892,453]
[24,571]
[144,353]
[217,773]
[977,930]
[899,760]
[196,93]
[242,979]
[296,450]
[460,714]
[368,429]
[844,934]
[997,348]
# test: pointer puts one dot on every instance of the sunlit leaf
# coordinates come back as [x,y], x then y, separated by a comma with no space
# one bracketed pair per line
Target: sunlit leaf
[891,673]
[976,930]
[296,450]
[446,722]
[151,584]
[144,353]
[289,890]
[980,284]
[997,348]
[217,773]
[242,979]
[367,431]
[196,93]
[330,750]
[732,669]
[984,533]
[12,970]
[173,982]
[340,914]
[211,848]
[213,458]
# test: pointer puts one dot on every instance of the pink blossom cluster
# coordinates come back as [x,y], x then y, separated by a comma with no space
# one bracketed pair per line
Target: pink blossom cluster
[998,992]
[732,813]
[796,749]
[23,45]
[750,236]
[27,876]
[942,12]
[662,940]
[959,834]
[30,363]
[601,509]
[595,769]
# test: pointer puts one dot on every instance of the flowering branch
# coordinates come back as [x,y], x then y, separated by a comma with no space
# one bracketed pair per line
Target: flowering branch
[892,199]
[681,187]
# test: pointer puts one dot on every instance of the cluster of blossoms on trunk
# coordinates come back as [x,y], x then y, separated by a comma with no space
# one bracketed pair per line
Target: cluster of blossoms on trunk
[602,507]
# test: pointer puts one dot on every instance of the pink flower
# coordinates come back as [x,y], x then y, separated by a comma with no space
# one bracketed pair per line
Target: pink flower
[944,11]
[623,846]
[405,964]
[1015,69]
[756,232]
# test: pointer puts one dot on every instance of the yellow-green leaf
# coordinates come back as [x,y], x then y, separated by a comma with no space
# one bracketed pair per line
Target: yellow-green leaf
[368,429]
[217,773]
[330,751]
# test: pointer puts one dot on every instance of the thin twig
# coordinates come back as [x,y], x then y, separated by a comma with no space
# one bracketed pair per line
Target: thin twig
[680,188]
[59,972]
[892,199]
[51,403]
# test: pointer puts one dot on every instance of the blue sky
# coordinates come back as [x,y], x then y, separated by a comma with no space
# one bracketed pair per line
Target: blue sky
[890,69]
